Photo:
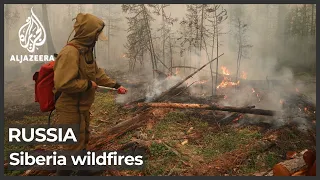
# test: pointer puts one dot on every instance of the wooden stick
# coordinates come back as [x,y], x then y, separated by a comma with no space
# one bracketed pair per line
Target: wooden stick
[189,67]
[210,107]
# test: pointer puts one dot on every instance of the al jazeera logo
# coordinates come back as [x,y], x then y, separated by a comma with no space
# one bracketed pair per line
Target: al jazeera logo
[32,35]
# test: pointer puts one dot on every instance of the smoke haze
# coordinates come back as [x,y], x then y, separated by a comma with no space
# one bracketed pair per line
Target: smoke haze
[272,57]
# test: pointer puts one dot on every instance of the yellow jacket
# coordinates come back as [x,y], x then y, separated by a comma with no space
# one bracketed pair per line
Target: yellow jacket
[75,68]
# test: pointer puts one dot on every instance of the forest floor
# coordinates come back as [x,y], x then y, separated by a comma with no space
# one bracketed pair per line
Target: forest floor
[180,142]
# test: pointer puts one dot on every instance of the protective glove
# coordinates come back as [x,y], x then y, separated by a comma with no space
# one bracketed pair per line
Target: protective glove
[122,90]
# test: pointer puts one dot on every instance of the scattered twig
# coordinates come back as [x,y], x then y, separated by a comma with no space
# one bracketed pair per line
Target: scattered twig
[172,149]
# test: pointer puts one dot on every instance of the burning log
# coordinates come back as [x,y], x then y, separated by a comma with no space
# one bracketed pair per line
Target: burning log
[247,110]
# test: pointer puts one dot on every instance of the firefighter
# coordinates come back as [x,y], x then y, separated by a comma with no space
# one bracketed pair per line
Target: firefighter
[76,77]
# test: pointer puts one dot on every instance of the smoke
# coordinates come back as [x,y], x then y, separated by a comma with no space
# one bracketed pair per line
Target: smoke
[123,98]
[159,86]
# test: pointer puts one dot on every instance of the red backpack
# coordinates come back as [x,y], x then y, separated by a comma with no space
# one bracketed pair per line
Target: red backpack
[44,84]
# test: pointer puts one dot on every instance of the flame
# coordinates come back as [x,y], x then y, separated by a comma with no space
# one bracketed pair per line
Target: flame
[124,56]
[225,71]
[177,71]
[257,94]
[238,118]
[243,75]
[226,82]
[281,101]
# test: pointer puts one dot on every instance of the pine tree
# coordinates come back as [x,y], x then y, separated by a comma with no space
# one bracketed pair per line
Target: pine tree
[139,39]
[166,35]
[217,16]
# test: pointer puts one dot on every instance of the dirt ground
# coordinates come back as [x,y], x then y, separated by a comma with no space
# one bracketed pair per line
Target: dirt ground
[178,142]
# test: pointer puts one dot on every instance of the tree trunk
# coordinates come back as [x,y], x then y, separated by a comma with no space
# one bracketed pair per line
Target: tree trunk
[6,32]
[171,60]
[212,80]
[152,53]
[197,31]
[217,45]
[304,33]
[50,45]
[109,28]
[163,39]
[190,54]
[239,49]
[149,41]
[201,27]
[312,16]
[153,66]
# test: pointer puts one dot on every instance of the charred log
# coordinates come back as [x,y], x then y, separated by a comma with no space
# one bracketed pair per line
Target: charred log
[210,107]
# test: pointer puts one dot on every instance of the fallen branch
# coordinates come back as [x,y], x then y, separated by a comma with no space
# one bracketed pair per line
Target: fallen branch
[118,130]
[37,172]
[185,89]
[214,73]
[181,82]
[161,74]
[188,67]
[172,150]
[170,69]
[247,110]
